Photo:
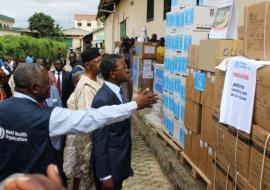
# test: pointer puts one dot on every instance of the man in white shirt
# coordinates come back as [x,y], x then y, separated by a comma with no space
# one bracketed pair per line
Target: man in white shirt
[25,141]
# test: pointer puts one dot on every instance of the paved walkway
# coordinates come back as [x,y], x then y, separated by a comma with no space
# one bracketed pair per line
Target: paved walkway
[147,171]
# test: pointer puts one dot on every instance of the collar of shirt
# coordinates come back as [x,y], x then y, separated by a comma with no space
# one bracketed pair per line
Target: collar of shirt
[115,89]
[56,73]
[21,95]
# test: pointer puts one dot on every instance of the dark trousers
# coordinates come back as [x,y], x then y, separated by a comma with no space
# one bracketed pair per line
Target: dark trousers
[98,184]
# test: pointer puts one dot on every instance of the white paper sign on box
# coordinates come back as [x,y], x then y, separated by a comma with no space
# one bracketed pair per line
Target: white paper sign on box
[225,23]
[238,93]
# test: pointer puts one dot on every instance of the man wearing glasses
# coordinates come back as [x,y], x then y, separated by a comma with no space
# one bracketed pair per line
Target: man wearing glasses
[111,154]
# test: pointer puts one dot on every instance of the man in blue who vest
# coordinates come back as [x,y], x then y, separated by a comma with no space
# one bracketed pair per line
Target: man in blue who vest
[27,127]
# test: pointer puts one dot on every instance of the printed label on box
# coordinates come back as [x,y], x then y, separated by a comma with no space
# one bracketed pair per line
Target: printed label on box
[187,42]
[200,79]
[159,74]
[189,16]
[147,65]
[135,72]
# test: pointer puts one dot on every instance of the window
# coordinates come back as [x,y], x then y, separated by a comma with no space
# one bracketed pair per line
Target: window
[150,10]
[122,29]
[79,24]
[89,24]
[167,8]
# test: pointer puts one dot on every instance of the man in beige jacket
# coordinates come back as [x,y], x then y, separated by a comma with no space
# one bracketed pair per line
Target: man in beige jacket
[84,93]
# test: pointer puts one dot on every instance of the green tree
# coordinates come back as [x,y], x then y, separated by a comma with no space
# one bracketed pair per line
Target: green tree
[44,25]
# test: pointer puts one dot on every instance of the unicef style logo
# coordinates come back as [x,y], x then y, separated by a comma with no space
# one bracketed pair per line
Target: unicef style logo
[2,133]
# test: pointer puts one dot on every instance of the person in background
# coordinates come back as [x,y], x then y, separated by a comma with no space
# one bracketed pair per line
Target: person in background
[10,63]
[154,38]
[63,81]
[160,53]
[59,53]
[29,59]
[111,154]
[125,50]
[5,91]
[38,124]
[5,67]
[76,66]
[72,59]
[54,100]
[117,47]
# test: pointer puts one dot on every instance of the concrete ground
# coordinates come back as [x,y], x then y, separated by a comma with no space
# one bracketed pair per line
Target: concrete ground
[147,170]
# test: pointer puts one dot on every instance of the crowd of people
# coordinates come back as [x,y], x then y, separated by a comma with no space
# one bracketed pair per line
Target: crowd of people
[78,120]
[90,147]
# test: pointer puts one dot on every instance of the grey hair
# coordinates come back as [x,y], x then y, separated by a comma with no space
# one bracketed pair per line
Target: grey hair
[27,74]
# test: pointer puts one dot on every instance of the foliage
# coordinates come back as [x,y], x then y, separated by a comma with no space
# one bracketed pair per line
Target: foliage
[19,46]
[44,25]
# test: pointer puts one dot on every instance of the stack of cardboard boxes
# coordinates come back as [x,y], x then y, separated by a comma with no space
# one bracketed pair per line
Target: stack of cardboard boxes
[184,28]
[205,134]
[146,73]
[235,158]
[142,66]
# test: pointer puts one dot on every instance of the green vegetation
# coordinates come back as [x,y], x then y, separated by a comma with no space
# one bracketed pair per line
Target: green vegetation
[45,26]
[19,46]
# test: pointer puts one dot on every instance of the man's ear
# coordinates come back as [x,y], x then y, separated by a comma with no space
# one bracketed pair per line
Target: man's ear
[112,75]
[34,89]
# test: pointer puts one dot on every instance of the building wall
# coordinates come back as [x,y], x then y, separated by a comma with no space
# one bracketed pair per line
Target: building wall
[84,26]
[98,37]
[9,32]
[4,22]
[135,17]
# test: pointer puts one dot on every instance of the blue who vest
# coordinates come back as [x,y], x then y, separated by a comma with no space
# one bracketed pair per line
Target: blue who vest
[25,145]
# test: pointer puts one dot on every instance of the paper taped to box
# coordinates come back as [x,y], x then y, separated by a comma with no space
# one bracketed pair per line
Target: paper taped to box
[239,92]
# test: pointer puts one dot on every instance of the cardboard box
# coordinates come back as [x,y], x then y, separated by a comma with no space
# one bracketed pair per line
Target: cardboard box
[191,92]
[241,153]
[193,15]
[193,116]
[218,87]
[222,179]
[243,184]
[193,54]
[207,94]
[192,38]
[254,31]
[240,33]
[208,128]
[145,50]
[203,156]
[210,49]
[262,98]
[195,149]
[219,136]
[188,143]
[259,136]
[209,165]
